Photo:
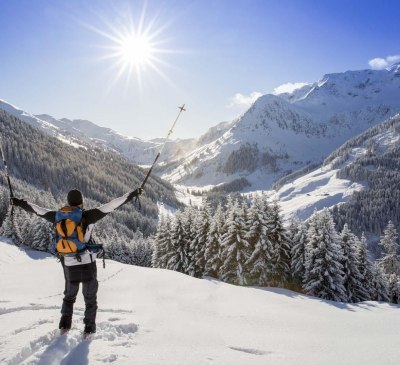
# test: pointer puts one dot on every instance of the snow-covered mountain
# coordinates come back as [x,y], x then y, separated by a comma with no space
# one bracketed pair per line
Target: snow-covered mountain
[75,131]
[153,316]
[368,163]
[287,132]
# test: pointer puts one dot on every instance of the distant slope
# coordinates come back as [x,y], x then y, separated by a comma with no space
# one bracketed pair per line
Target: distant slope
[153,316]
[134,149]
[361,180]
[83,131]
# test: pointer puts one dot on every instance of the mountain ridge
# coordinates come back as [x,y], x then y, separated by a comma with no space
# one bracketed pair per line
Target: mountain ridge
[288,132]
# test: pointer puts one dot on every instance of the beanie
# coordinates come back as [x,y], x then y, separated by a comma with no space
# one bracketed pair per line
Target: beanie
[75,197]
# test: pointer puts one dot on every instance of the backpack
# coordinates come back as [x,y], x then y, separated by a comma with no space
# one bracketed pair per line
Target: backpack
[70,239]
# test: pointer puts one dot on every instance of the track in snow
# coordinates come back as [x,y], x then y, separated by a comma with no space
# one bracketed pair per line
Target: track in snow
[47,347]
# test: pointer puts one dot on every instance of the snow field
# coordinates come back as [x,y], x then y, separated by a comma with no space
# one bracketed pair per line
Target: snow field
[154,316]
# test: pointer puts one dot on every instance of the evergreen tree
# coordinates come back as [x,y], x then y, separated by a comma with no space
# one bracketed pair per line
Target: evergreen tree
[4,203]
[202,229]
[281,249]
[162,243]
[189,238]
[366,269]
[324,271]
[234,246]
[299,238]
[41,235]
[260,248]
[390,262]
[352,279]
[212,254]
[380,285]
[179,259]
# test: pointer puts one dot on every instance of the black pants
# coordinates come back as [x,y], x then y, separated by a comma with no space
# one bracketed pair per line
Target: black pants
[87,275]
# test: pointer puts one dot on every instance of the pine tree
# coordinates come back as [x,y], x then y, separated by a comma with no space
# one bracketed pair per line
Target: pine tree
[366,269]
[202,229]
[352,279]
[179,259]
[212,254]
[228,208]
[4,203]
[234,246]
[297,265]
[380,285]
[189,238]
[162,243]
[324,271]
[390,262]
[281,249]
[41,237]
[259,262]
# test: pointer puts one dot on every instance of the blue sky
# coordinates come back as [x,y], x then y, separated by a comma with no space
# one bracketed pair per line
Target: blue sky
[53,58]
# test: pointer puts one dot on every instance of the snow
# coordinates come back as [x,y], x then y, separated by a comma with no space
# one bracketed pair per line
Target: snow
[154,316]
[314,191]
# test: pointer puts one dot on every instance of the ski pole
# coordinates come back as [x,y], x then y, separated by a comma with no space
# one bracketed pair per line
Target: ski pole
[181,109]
[7,175]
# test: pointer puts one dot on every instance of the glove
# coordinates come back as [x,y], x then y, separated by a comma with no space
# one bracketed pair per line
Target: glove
[22,203]
[15,201]
[135,193]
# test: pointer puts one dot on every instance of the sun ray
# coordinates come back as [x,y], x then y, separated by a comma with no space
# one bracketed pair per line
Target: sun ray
[134,47]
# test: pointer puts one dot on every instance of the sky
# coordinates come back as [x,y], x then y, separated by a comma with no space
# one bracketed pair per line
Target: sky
[69,58]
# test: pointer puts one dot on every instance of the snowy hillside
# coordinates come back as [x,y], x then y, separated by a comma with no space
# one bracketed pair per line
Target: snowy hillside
[153,316]
[322,187]
[286,132]
[82,132]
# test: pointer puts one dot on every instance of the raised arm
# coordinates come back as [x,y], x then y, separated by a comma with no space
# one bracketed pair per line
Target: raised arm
[94,215]
[29,207]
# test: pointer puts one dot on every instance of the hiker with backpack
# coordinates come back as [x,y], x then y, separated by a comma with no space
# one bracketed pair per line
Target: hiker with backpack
[77,251]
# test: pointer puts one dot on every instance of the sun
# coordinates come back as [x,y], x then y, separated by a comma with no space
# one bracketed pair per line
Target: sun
[136,50]
[132,48]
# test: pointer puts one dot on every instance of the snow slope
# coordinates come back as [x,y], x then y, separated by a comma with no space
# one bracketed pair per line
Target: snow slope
[321,188]
[153,316]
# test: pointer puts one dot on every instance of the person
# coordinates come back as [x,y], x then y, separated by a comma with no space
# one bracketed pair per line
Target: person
[80,268]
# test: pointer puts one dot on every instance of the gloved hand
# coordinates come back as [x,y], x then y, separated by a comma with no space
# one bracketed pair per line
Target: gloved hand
[15,201]
[136,193]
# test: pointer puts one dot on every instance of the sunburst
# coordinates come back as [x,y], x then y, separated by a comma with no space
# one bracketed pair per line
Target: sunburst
[133,49]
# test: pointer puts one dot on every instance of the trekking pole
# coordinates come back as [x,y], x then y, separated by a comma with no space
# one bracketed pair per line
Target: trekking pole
[181,109]
[7,175]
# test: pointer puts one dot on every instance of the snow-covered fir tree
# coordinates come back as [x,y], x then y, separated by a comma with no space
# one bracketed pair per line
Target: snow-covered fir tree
[298,236]
[380,285]
[212,254]
[234,246]
[162,243]
[179,260]
[390,262]
[42,235]
[281,248]
[10,227]
[352,278]
[202,229]
[260,247]
[366,269]
[189,238]
[324,271]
